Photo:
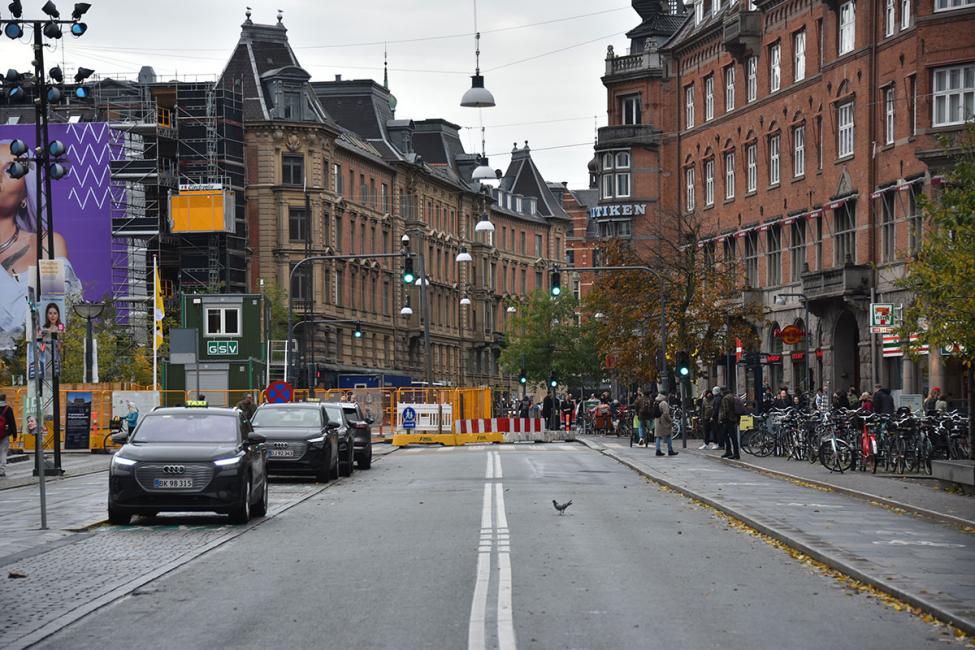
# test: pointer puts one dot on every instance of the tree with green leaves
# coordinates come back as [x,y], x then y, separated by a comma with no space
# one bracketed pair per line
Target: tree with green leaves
[942,276]
[546,335]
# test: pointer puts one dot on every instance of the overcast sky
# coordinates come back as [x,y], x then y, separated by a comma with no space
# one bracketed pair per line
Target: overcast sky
[545,77]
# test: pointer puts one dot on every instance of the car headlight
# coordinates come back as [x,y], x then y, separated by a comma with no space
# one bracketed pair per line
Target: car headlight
[227,462]
[316,441]
[121,461]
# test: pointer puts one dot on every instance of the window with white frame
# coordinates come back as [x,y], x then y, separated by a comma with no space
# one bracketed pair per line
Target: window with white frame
[797,247]
[773,159]
[774,67]
[751,164]
[847,36]
[799,151]
[616,175]
[887,226]
[799,55]
[954,95]
[948,5]
[689,185]
[689,107]
[715,6]
[622,186]
[905,14]
[889,115]
[915,220]
[607,191]
[729,175]
[890,17]
[709,182]
[729,88]
[709,98]
[698,12]
[630,109]
[845,233]
[223,321]
[751,258]
[752,78]
[773,247]
[845,132]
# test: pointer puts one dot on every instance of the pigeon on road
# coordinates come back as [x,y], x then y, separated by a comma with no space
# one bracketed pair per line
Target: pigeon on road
[561,506]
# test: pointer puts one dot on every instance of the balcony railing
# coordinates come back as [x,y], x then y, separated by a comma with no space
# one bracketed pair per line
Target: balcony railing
[849,281]
[742,33]
[631,63]
[626,134]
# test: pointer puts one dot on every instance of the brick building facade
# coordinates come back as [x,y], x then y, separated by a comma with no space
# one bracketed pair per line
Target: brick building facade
[801,134]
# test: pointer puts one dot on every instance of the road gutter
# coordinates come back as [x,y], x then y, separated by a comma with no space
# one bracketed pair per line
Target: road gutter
[960,622]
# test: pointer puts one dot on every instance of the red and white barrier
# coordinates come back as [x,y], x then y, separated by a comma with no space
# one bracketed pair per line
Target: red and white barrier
[500,425]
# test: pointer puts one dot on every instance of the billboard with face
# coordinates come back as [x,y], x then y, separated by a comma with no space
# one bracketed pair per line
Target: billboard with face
[81,203]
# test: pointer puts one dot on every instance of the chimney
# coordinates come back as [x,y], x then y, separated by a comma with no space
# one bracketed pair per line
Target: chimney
[338,77]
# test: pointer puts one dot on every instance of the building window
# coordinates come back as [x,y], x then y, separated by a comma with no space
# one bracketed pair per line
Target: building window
[607,192]
[689,184]
[752,78]
[223,321]
[709,182]
[912,103]
[709,98]
[889,115]
[698,12]
[773,237]
[729,175]
[799,54]
[819,241]
[522,242]
[905,14]
[774,67]
[888,234]
[538,245]
[845,233]
[338,232]
[292,169]
[384,197]
[729,88]
[751,163]
[630,109]
[751,258]
[622,186]
[890,17]
[773,159]
[819,142]
[292,105]
[689,107]
[847,39]
[797,248]
[799,151]
[954,95]
[845,132]
[616,176]
[915,221]
[297,224]
[337,180]
[948,5]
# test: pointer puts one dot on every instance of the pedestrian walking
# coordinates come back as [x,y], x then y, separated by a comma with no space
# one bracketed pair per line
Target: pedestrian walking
[853,397]
[8,432]
[706,405]
[883,401]
[822,401]
[717,426]
[930,404]
[664,425]
[247,406]
[728,414]
[644,411]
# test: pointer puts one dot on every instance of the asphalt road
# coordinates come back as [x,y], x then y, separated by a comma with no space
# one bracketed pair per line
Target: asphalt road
[455,548]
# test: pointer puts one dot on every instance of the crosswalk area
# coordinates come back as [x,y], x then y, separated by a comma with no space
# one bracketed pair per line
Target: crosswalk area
[499,448]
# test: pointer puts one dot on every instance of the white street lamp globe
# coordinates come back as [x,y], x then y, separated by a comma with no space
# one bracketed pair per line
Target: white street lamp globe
[465,301]
[463,255]
[484,225]
[406,311]
[511,309]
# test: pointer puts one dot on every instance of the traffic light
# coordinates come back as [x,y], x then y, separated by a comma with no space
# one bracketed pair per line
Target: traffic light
[556,283]
[408,276]
[553,380]
[683,364]
[522,377]
[357,332]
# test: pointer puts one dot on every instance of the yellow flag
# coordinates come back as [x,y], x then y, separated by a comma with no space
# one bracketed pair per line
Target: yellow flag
[160,309]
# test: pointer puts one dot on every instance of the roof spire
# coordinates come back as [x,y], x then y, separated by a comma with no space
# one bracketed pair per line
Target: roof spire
[385,67]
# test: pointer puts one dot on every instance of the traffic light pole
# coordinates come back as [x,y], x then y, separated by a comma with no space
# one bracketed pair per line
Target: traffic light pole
[291,276]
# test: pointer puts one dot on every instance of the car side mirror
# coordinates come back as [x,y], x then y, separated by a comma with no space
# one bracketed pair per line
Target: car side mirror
[120,438]
[370,420]
[255,438]
[332,425]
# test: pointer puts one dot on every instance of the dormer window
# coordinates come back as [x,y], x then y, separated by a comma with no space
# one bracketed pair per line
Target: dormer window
[291,105]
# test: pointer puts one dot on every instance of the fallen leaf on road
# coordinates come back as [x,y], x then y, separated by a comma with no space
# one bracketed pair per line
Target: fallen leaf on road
[16,574]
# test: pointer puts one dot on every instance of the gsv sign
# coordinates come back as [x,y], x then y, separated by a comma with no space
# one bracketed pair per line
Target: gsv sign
[223,348]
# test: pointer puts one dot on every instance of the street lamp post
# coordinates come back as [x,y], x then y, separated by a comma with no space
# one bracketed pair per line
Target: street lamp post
[327,321]
[291,276]
[780,299]
[89,311]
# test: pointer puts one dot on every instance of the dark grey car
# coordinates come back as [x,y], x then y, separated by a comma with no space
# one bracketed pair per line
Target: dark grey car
[360,426]
[302,440]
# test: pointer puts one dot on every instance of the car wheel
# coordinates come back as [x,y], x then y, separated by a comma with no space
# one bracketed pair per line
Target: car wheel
[365,460]
[241,514]
[260,508]
[345,467]
[117,518]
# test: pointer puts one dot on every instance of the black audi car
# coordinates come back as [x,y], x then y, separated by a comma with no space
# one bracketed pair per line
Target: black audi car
[303,439]
[189,460]
[360,425]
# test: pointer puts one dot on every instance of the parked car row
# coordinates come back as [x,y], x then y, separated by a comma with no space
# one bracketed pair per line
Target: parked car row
[191,459]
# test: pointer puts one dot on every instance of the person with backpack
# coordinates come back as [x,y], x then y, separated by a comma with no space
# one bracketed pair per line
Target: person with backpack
[8,432]
[663,424]
[728,413]
[644,411]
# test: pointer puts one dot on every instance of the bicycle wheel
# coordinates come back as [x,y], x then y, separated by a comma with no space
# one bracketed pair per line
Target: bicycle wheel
[836,455]
[763,444]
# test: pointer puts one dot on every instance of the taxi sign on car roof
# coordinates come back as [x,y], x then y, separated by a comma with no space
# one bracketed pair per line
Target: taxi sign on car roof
[196,403]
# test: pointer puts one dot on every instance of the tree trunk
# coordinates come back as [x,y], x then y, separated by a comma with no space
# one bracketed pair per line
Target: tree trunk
[971,410]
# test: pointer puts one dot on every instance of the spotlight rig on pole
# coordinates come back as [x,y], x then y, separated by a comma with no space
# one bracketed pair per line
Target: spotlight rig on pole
[49,157]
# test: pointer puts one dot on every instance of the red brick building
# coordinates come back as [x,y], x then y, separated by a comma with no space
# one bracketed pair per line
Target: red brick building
[800,133]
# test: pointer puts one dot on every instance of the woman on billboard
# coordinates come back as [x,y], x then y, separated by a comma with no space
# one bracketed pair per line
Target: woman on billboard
[18,247]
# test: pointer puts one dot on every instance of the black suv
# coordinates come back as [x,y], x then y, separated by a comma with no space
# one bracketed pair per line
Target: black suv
[189,459]
[361,427]
[303,439]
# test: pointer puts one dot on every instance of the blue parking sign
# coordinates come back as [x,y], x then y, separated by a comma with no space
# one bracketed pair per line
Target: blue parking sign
[409,418]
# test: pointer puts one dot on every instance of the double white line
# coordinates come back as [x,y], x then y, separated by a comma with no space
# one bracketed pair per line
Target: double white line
[494,537]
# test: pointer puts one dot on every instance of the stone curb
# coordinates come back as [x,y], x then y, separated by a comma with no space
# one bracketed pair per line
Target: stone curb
[967,625]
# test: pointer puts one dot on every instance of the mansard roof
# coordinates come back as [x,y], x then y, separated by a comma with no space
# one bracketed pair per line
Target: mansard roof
[523,177]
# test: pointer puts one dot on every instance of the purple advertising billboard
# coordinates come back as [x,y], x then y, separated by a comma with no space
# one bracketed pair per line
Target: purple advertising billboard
[82,204]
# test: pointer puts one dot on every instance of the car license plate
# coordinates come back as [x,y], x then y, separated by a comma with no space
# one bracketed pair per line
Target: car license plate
[170,483]
[281,453]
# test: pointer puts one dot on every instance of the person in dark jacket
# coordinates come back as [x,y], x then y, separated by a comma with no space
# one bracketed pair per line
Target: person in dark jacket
[729,422]
[840,400]
[883,401]
[782,401]
[717,427]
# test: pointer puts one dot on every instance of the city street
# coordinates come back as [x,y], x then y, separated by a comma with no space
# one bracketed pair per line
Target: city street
[451,548]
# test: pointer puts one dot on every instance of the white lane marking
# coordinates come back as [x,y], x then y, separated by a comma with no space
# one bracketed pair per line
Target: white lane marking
[506,624]
[486,523]
[497,465]
[478,622]
[499,501]
[489,474]
[919,542]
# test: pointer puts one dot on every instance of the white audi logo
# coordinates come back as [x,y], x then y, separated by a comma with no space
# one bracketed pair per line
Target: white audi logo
[280,445]
[174,469]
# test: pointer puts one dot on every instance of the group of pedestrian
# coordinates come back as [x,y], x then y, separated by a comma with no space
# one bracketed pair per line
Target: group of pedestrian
[655,418]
